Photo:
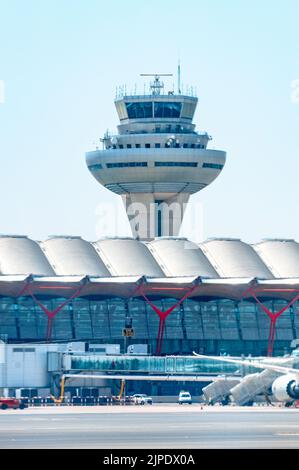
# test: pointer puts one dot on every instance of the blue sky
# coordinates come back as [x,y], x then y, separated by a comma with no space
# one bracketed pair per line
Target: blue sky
[61,62]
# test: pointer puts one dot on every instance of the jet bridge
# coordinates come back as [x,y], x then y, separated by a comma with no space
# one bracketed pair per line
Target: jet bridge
[97,369]
[82,363]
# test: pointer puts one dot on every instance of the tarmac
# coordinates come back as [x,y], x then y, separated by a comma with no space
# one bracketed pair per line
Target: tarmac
[160,426]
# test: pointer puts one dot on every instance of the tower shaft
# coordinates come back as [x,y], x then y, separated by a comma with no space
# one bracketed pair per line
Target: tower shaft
[153,216]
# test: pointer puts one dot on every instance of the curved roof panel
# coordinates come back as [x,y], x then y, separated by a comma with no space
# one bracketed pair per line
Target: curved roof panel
[73,256]
[181,257]
[160,258]
[20,255]
[234,258]
[127,257]
[281,256]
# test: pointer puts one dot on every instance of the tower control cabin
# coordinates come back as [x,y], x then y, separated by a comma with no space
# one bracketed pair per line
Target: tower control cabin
[156,160]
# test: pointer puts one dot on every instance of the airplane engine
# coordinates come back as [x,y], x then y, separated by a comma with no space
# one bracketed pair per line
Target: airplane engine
[286,388]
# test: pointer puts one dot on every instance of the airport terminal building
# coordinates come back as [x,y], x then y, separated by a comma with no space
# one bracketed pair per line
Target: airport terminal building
[155,293]
[214,297]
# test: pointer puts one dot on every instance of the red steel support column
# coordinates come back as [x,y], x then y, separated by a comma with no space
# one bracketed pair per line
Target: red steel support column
[163,315]
[51,313]
[272,315]
[273,318]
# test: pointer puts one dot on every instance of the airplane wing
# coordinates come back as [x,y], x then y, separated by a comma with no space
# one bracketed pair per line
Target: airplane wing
[246,362]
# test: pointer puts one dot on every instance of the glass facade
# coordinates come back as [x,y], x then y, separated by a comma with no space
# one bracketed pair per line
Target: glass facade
[159,365]
[206,326]
[140,110]
[165,109]
[150,109]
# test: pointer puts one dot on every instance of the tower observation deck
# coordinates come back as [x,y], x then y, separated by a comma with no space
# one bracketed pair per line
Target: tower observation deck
[156,160]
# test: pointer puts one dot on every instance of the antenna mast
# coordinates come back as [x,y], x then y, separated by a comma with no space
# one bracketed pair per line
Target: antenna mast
[156,85]
[179,78]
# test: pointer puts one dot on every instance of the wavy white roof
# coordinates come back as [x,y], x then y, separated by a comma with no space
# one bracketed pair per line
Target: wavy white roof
[181,257]
[20,255]
[73,256]
[161,258]
[234,258]
[281,257]
[128,257]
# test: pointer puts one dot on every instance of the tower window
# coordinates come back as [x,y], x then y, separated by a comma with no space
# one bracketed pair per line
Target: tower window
[185,146]
[147,146]
[215,166]
[140,110]
[129,146]
[137,146]
[97,166]
[182,164]
[157,145]
[164,109]
[125,164]
[121,146]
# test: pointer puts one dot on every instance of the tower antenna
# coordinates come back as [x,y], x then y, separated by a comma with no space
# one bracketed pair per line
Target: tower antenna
[156,86]
[179,77]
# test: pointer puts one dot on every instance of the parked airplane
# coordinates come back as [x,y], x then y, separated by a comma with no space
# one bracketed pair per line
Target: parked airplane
[285,388]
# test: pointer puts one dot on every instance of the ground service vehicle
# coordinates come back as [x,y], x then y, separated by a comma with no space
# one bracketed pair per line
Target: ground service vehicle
[142,399]
[185,397]
[13,403]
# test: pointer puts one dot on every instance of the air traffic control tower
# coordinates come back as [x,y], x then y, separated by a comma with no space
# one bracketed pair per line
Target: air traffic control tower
[157,159]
